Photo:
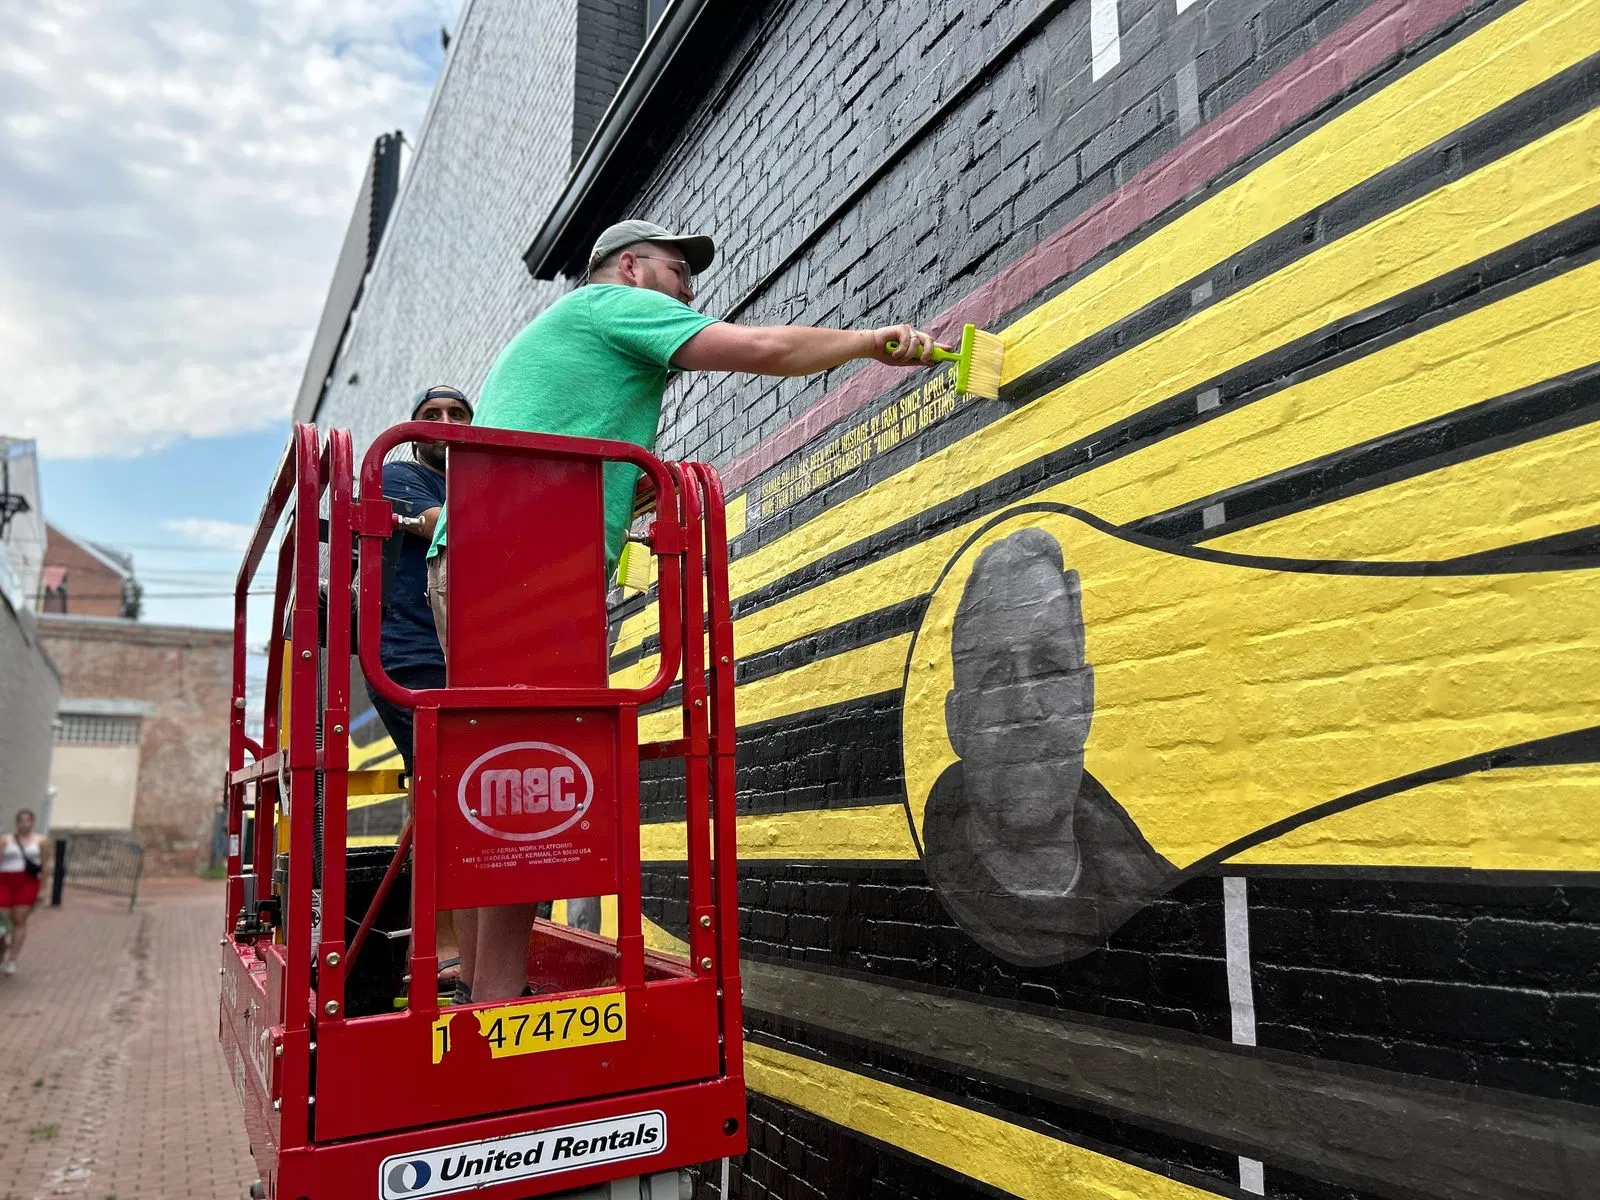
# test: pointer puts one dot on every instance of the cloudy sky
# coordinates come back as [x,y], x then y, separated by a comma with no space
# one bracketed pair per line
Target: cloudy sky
[175,178]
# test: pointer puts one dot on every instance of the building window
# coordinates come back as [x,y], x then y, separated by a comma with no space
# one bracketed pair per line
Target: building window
[94,729]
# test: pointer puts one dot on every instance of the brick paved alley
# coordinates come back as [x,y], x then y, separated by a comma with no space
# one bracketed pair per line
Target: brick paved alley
[111,1081]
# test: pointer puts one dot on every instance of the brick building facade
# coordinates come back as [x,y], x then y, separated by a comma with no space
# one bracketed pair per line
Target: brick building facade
[1296,447]
[85,579]
[174,682]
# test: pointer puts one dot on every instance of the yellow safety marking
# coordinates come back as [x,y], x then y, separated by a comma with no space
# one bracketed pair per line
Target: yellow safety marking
[537,1026]
[1513,819]
[1229,697]
[877,667]
[372,839]
[1534,490]
[1010,1158]
[876,832]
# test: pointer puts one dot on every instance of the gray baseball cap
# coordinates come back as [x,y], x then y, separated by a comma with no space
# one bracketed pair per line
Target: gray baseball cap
[697,248]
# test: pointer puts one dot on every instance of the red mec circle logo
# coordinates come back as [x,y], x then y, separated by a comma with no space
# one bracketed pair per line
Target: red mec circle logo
[525,791]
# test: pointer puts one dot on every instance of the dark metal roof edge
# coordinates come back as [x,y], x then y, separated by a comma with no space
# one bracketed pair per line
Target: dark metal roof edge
[545,257]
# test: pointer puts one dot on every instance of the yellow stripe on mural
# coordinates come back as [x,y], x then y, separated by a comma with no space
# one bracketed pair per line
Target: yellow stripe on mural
[1512,198]
[877,667]
[1513,819]
[1532,336]
[876,832]
[1016,1160]
[1534,490]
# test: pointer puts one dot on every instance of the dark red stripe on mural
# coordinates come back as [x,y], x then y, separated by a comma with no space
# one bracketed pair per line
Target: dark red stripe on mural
[1367,40]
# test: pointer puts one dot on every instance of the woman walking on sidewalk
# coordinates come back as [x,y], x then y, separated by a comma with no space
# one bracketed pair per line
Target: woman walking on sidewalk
[21,865]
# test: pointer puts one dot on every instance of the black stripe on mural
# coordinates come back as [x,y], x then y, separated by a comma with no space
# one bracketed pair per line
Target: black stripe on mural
[1193,1164]
[884,921]
[1385,1130]
[1165,1152]
[1501,132]
[797,1155]
[853,634]
[839,756]
[1573,548]
[1322,351]
[383,819]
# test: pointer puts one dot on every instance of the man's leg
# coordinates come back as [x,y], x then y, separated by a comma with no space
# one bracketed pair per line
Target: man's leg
[500,971]
[436,596]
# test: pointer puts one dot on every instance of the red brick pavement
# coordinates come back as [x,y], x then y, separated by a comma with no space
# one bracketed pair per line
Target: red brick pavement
[111,1080]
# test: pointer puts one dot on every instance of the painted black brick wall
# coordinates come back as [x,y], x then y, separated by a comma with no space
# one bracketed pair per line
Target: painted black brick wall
[609,35]
[1474,983]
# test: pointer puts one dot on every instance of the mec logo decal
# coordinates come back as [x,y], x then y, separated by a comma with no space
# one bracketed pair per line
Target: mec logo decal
[525,791]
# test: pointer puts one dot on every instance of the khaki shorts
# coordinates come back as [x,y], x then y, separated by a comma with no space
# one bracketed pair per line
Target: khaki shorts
[436,595]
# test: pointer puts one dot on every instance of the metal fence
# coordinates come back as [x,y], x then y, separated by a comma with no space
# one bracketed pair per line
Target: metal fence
[98,862]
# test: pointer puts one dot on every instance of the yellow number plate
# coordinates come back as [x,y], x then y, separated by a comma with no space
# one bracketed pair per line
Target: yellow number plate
[534,1026]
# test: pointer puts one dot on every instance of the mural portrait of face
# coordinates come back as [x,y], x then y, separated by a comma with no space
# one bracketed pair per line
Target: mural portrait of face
[1029,853]
[1020,710]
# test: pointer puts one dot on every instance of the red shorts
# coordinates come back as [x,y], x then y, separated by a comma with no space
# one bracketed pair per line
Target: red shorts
[18,889]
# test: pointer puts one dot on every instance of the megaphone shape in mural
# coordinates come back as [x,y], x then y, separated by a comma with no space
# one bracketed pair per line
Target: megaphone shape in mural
[1090,716]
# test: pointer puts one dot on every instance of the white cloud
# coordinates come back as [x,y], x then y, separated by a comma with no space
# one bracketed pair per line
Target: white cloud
[211,533]
[176,176]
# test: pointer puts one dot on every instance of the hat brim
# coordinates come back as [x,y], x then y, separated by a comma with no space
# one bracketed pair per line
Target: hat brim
[698,249]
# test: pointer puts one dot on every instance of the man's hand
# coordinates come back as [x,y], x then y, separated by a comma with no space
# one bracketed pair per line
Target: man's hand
[913,347]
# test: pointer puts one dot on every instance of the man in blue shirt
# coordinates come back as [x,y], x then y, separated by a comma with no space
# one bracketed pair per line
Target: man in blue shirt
[409,645]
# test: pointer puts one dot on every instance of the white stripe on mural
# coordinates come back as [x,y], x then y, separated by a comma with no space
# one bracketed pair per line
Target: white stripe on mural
[1241,996]
[1105,36]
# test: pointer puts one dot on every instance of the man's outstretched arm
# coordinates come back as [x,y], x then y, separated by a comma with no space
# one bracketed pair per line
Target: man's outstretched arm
[799,349]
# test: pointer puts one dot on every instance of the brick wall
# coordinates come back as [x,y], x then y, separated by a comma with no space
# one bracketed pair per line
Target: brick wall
[1293,459]
[185,673]
[92,588]
[448,288]
[608,37]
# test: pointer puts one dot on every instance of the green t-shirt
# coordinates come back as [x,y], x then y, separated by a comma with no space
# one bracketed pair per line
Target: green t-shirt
[593,364]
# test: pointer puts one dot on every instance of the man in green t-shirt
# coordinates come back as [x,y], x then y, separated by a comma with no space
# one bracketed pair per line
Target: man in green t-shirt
[596,364]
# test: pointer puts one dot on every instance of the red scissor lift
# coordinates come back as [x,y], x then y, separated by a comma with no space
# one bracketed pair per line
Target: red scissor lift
[627,1063]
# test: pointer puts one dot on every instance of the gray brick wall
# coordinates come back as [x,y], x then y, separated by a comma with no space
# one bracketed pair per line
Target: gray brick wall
[449,288]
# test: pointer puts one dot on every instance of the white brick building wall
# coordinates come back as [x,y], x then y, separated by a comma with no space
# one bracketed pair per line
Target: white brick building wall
[449,287]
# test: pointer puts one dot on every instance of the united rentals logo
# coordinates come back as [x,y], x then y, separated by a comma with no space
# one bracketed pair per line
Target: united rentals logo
[473,1165]
[525,791]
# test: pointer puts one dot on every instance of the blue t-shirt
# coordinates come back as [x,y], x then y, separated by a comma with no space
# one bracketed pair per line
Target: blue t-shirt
[409,637]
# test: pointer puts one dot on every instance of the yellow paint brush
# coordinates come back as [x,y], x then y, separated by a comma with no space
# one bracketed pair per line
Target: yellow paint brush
[978,362]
